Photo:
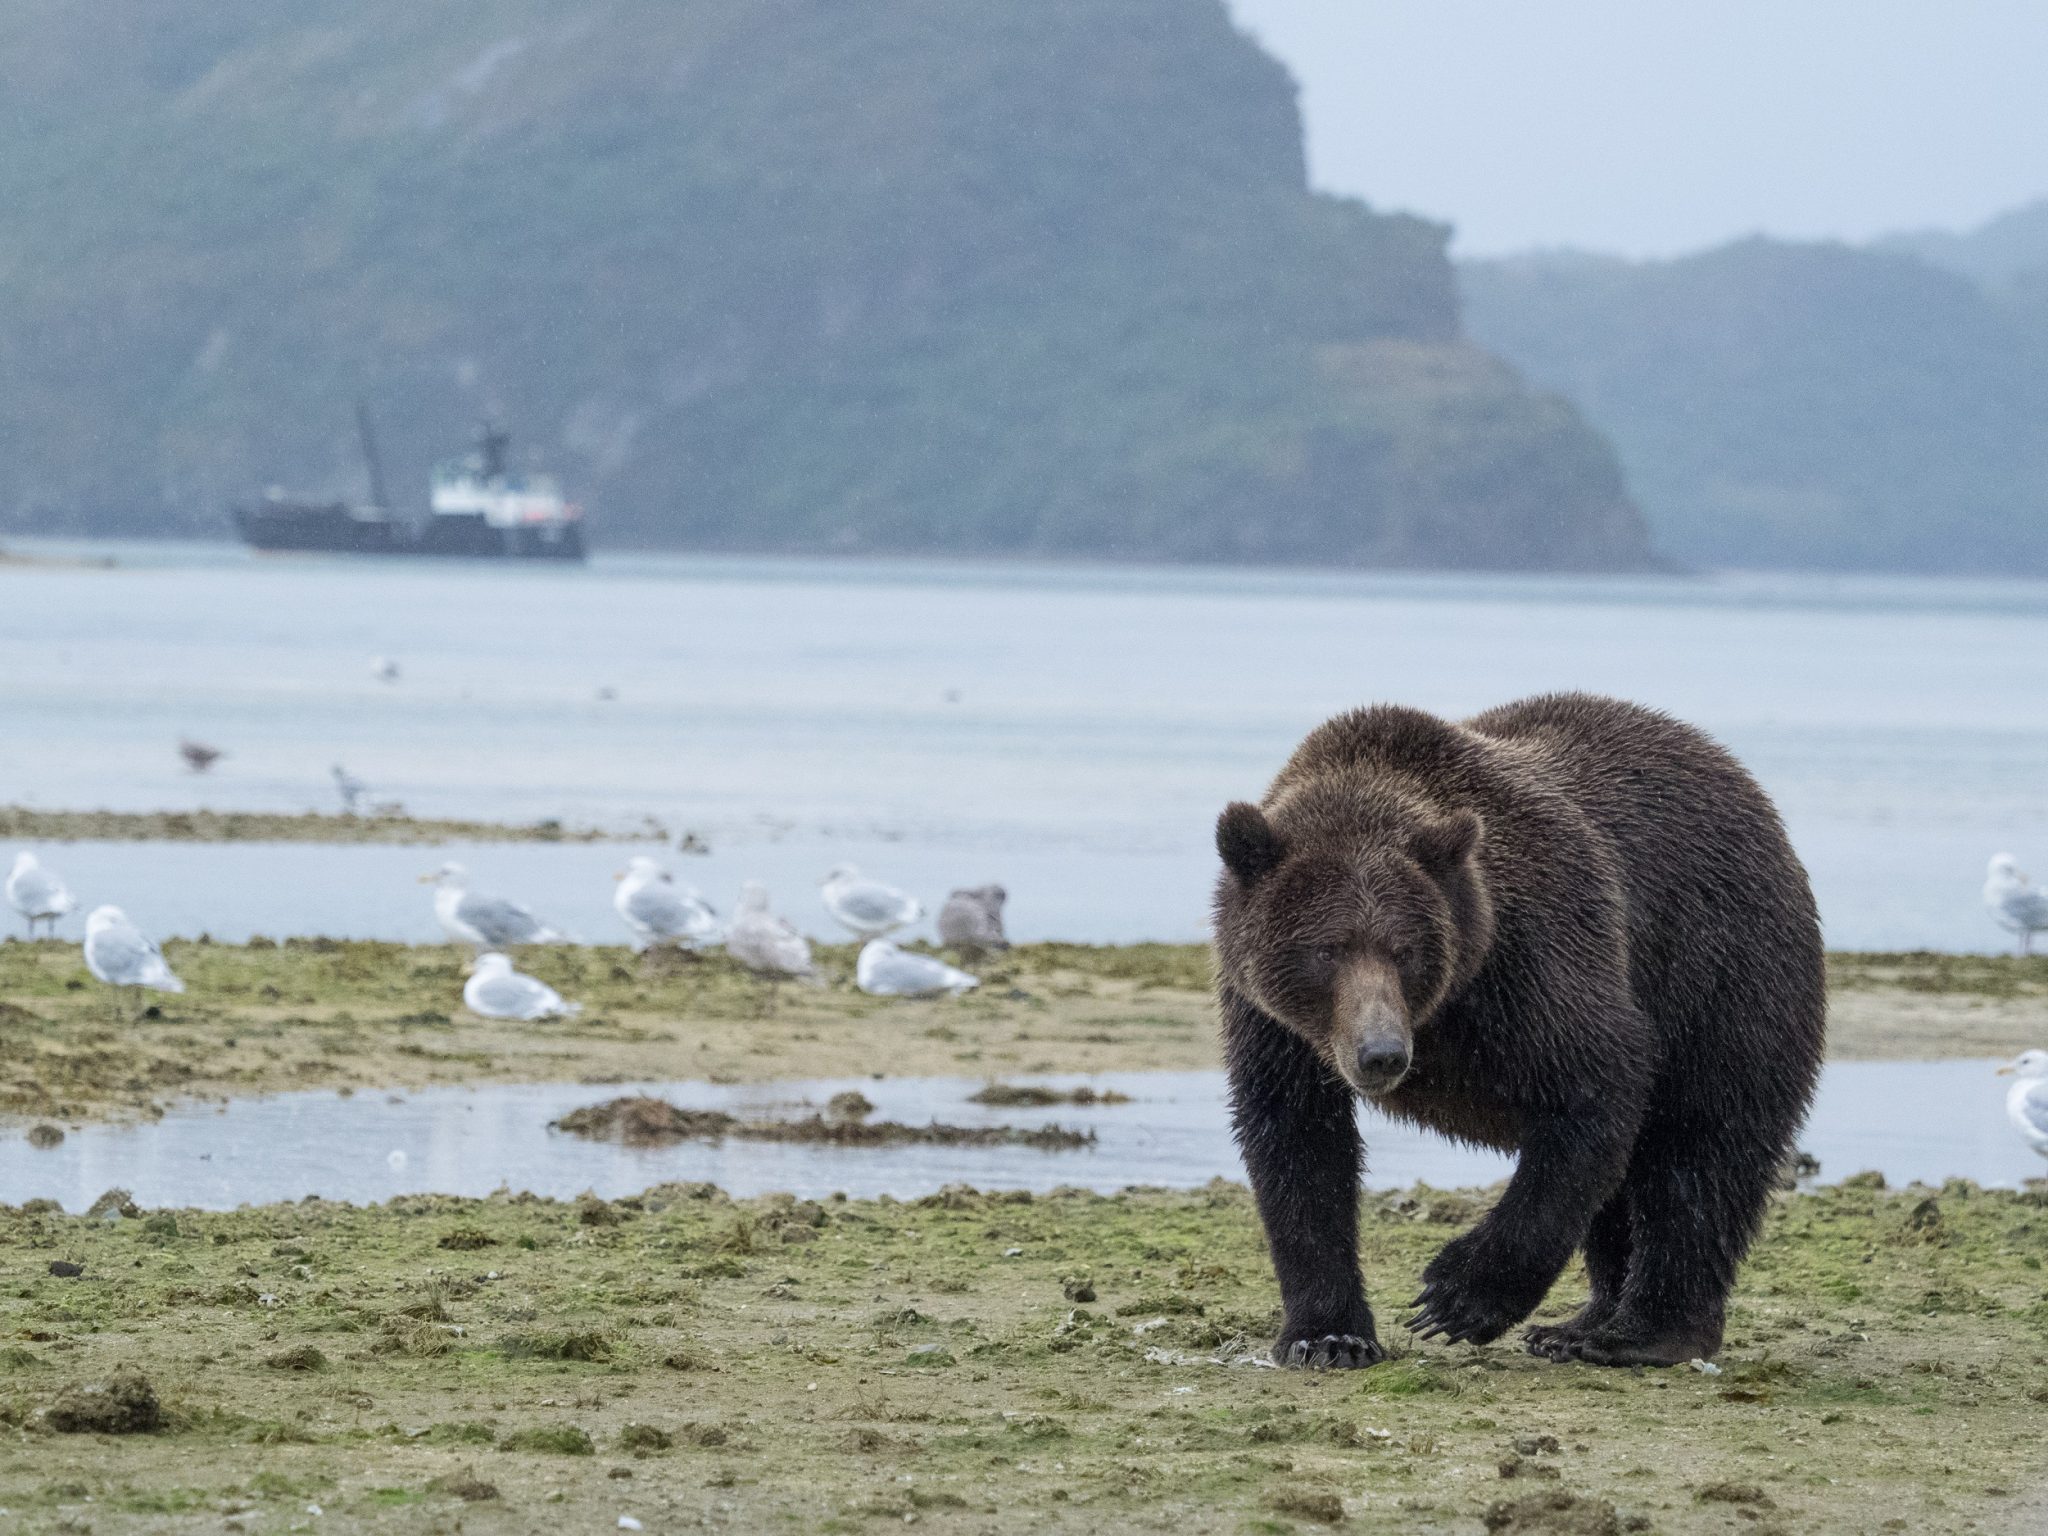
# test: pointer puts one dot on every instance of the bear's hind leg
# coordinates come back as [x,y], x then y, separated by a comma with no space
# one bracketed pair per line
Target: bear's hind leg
[1608,1245]
[1697,1204]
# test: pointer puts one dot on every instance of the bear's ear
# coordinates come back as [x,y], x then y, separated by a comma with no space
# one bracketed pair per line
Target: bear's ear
[1250,847]
[1446,844]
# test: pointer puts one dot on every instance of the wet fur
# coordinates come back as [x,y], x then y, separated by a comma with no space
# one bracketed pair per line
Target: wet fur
[1612,966]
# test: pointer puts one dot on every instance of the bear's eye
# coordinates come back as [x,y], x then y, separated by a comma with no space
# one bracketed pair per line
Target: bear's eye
[1324,956]
[1404,955]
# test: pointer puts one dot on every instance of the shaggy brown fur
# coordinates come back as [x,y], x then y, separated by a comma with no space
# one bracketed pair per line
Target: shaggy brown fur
[1570,928]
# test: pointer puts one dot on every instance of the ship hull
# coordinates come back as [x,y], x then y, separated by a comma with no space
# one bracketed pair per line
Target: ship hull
[289,528]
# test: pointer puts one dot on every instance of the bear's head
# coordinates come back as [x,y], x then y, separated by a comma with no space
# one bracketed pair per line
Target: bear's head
[1351,920]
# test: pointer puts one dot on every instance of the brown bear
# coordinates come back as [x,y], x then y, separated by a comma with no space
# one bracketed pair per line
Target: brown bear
[1570,928]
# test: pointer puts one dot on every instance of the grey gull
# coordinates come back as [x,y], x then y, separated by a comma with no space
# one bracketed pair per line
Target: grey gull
[2026,1102]
[497,991]
[36,893]
[971,921]
[868,908]
[661,912]
[488,922]
[764,943]
[117,953]
[883,970]
[2014,903]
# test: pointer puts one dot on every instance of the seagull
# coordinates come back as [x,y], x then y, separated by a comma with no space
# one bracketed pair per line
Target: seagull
[868,907]
[37,894]
[971,921]
[2026,1102]
[349,787]
[2014,902]
[497,991]
[661,912]
[883,970]
[488,922]
[117,953]
[384,669]
[766,944]
[198,755]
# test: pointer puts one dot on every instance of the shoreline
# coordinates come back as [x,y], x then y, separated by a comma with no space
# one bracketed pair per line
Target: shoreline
[27,824]
[267,1017]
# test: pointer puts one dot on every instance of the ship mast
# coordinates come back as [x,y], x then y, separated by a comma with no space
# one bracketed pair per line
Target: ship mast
[370,460]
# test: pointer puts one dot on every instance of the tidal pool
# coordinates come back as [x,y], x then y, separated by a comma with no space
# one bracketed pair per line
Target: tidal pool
[1910,1121]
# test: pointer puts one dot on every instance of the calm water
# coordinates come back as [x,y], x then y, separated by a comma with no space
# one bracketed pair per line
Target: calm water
[1923,1121]
[1071,733]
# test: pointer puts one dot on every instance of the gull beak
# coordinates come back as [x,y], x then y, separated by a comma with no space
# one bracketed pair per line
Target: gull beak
[618,874]
[429,879]
[2007,1070]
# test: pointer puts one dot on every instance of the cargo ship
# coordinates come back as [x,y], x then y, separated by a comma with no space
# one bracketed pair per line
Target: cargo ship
[477,508]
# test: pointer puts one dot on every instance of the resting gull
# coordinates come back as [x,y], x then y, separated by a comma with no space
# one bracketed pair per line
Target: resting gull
[2026,1103]
[497,991]
[661,912]
[868,907]
[764,943]
[488,922]
[2014,902]
[118,954]
[36,893]
[971,921]
[883,970]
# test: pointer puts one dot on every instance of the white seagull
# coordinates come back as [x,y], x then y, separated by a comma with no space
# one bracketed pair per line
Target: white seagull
[661,912]
[497,991]
[883,970]
[488,922]
[764,943]
[2026,1102]
[971,921]
[867,907]
[37,894]
[2014,902]
[118,954]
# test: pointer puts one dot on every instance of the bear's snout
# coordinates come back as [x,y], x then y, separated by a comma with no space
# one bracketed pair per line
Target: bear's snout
[1382,1063]
[1374,1038]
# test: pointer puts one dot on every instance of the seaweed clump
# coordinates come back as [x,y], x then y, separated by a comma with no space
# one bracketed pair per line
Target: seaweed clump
[124,1404]
[640,1121]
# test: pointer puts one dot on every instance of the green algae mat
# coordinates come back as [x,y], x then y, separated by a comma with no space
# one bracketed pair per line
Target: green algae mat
[976,1363]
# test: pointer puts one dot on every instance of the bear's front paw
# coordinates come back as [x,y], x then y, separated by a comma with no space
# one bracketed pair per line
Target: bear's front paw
[1470,1298]
[1329,1352]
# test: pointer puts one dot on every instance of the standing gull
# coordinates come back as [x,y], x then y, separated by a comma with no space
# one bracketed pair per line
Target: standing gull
[488,922]
[198,755]
[36,893]
[867,907]
[2014,903]
[661,912]
[883,970]
[117,953]
[766,944]
[971,921]
[350,788]
[497,991]
[2026,1102]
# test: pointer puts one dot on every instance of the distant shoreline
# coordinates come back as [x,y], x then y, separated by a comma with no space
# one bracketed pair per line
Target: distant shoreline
[27,824]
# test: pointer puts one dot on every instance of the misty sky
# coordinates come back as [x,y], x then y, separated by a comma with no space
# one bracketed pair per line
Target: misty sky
[1652,126]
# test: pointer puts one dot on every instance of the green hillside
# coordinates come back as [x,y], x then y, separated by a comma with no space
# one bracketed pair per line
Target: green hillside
[1777,404]
[911,275]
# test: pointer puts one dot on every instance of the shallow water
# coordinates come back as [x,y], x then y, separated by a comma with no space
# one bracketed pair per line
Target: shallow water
[1923,1121]
[1069,732]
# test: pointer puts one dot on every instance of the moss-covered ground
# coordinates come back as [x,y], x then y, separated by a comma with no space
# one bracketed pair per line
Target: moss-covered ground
[979,1363]
[322,1013]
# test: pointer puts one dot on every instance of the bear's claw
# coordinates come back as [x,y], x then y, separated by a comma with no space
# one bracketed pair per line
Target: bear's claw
[1332,1352]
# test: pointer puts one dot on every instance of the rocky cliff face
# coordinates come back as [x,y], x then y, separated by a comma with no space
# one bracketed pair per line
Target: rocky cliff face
[751,274]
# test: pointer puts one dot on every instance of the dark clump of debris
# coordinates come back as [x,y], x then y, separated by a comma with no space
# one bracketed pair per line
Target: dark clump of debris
[1552,1514]
[1032,1096]
[124,1404]
[46,1136]
[647,1122]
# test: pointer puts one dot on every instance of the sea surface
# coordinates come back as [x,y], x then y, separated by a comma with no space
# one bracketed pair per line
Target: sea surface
[1068,732]
[1911,1121]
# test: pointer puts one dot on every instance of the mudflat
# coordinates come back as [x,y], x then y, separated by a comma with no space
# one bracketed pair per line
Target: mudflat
[321,1013]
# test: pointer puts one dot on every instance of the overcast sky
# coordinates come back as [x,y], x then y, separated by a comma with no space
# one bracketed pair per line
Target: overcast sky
[1652,126]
